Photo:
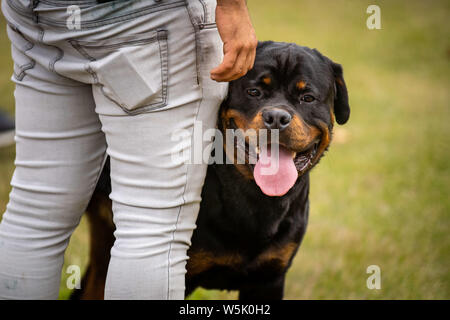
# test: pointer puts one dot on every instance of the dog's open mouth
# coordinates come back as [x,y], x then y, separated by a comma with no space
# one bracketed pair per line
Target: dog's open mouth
[276,168]
[276,171]
[304,159]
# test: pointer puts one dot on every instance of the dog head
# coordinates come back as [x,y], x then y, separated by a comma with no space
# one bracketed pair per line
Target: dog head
[296,91]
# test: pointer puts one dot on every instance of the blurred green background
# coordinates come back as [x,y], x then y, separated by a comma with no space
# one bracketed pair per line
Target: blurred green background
[380,196]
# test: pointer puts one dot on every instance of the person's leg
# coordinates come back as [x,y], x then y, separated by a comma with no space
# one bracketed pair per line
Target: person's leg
[156,198]
[149,63]
[60,150]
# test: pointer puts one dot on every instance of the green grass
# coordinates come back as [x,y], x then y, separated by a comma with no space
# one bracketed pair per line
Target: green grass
[380,196]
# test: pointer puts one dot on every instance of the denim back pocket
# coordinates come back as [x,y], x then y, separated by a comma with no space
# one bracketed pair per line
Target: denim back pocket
[131,70]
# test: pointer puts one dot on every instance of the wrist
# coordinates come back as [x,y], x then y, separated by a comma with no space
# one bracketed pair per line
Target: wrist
[232,3]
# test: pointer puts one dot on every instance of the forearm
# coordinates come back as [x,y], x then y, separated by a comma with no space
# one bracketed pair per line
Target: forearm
[239,40]
[231,2]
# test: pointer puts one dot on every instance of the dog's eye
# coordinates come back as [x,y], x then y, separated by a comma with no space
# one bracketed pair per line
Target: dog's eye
[253,92]
[308,98]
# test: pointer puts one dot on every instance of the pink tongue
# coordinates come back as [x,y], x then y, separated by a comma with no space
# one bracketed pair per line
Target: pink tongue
[275,177]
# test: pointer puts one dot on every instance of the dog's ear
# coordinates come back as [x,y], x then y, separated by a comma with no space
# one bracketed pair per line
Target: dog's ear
[341,106]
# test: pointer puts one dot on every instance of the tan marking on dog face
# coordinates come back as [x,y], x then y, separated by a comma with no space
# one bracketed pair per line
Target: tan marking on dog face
[232,114]
[250,129]
[301,85]
[267,80]
[300,134]
[332,117]
[325,142]
[241,121]
[257,122]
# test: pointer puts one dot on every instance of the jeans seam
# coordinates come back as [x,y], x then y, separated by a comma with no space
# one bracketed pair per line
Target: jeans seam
[184,199]
[75,44]
[196,30]
[80,47]
[197,49]
[29,45]
[68,2]
[19,76]
[98,23]
[59,55]
[173,236]
[205,11]
[92,73]
[210,25]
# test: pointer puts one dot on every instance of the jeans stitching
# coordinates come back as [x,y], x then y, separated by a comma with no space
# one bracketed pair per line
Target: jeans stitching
[29,45]
[92,73]
[58,57]
[161,38]
[163,51]
[22,69]
[211,25]
[184,199]
[81,48]
[75,44]
[197,52]
[205,11]
[98,23]
[164,76]
[68,2]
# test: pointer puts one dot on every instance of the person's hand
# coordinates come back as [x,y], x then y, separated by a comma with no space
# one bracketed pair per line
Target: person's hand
[239,40]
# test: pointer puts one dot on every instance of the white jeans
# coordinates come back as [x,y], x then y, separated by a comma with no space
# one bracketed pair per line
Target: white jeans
[119,81]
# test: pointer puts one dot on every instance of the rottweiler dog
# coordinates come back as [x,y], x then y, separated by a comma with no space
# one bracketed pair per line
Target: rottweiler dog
[250,224]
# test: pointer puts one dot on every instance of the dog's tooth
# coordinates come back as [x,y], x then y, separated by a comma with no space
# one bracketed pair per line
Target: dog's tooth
[257,150]
[294,154]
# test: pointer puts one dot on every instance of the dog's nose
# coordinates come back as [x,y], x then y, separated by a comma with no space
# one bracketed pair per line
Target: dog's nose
[276,119]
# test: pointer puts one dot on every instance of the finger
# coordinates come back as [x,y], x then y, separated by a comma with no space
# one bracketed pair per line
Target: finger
[226,66]
[250,61]
[238,69]
[248,58]
[252,54]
